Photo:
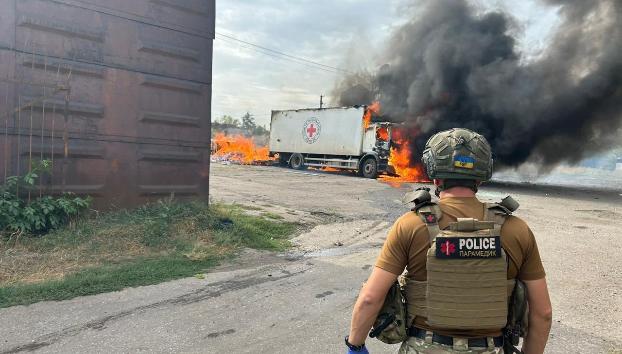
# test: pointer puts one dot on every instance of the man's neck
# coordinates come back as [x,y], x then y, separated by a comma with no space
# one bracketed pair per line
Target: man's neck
[457,192]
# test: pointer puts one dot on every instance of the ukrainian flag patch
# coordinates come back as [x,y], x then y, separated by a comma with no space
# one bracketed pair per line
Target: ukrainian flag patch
[464,161]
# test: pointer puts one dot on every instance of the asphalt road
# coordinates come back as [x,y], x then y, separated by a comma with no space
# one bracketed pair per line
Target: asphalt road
[301,301]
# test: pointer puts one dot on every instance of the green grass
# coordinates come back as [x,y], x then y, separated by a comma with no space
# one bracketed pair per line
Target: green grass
[148,245]
[249,207]
[104,278]
[272,216]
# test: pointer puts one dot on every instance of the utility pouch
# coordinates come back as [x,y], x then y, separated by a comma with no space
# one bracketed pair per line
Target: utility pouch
[390,325]
[517,318]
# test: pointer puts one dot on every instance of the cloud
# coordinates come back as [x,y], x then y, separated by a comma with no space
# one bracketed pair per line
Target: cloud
[343,34]
[245,79]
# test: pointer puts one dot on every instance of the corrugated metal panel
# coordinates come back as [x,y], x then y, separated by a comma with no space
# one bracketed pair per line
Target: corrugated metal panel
[139,111]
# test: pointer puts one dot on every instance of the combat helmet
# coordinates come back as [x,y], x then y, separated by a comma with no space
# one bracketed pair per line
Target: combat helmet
[458,154]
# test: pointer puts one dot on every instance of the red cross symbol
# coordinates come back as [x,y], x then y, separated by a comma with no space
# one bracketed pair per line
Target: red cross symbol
[430,218]
[311,130]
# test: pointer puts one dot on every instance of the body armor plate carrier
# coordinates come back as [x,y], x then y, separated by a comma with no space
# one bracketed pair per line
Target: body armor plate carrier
[467,286]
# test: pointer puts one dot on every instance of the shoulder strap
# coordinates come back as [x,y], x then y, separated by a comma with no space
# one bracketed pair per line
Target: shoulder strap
[430,213]
[498,212]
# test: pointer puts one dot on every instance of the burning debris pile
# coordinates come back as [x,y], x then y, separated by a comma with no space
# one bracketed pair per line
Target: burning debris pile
[238,149]
[451,66]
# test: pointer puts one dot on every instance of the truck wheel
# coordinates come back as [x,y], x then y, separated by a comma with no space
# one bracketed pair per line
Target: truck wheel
[297,162]
[283,158]
[369,168]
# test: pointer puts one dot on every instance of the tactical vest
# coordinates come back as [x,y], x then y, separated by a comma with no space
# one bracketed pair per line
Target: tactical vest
[466,286]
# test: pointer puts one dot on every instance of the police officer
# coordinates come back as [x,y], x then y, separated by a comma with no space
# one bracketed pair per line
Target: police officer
[458,160]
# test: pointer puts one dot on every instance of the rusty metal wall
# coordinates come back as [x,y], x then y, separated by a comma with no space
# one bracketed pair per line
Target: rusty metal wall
[136,76]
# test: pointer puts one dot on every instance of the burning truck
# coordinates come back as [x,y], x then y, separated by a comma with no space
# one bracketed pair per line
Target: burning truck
[341,138]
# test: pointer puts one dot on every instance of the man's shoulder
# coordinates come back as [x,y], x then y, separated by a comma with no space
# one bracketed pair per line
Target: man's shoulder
[409,217]
[515,231]
[516,225]
[406,228]
[409,220]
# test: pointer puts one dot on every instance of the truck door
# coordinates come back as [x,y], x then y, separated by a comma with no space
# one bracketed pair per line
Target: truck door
[369,139]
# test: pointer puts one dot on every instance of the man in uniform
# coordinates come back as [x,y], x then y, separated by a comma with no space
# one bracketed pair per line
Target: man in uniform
[458,160]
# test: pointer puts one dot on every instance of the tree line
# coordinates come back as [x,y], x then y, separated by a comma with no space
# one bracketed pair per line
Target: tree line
[246,123]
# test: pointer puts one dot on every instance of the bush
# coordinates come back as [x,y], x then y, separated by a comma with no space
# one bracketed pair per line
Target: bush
[41,214]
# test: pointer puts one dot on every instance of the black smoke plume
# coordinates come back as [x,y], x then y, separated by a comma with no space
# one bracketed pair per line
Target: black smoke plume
[451,66]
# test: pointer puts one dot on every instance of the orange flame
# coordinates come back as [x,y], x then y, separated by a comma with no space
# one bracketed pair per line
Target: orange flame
[407,171]
[400,155]
[373,108]
[240,149]
[400,158]
[382,134]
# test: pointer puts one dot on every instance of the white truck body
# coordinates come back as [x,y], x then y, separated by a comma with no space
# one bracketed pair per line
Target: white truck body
[329,137]
[332,131]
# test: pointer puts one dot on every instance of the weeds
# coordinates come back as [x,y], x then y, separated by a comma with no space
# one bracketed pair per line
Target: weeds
[19,215]
[147,245]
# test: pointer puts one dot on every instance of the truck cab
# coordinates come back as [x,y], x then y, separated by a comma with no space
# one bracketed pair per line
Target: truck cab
[377,143]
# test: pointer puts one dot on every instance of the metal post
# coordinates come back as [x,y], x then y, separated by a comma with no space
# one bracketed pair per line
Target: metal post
[6,136]
[52,139]
[41,156]
[65,139]
[30,147]
[32,68]
[19,136]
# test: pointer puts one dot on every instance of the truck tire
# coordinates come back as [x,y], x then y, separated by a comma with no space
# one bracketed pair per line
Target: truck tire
[297,162]
[283,160]
[369,168]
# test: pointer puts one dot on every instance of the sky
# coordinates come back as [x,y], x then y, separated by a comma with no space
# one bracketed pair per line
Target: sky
[340,35]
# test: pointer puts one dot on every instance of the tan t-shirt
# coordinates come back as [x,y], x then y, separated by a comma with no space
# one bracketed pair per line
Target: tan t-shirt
[407,245]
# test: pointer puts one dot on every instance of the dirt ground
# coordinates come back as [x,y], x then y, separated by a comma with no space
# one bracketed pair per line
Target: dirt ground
[301,301]
[576,230]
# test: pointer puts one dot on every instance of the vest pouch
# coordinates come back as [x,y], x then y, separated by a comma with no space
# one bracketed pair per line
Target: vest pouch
[415,299]
[467,280]
[390,325]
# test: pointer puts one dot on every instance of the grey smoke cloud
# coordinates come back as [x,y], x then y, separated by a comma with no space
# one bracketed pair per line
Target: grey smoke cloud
[453,67]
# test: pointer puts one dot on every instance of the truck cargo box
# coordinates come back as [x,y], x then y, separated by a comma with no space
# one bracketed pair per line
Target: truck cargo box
[329,131]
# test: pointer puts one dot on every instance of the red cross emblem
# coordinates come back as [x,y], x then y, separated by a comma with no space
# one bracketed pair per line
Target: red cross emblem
[430,219]
[311,130]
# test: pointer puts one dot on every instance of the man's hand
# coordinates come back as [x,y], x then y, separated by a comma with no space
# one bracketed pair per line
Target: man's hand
[368,304]
[540,317]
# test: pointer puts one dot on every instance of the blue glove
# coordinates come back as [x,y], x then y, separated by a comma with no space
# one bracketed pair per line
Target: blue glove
[362,351]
